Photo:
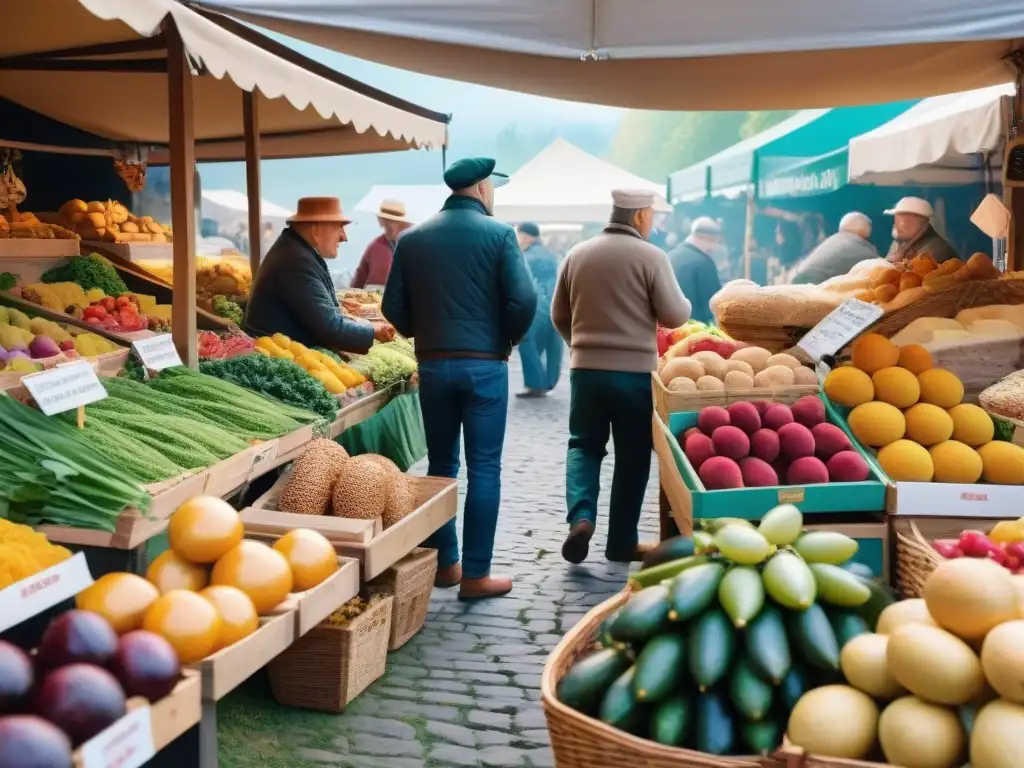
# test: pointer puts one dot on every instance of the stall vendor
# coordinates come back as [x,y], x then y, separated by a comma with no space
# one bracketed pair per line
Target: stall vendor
[293,292]
[373,269]
[913,233]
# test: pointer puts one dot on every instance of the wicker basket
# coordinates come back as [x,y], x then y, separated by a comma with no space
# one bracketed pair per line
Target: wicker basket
[666,402]
[794,757]
[410,581]
[915,559]
[579,741]
[327,668]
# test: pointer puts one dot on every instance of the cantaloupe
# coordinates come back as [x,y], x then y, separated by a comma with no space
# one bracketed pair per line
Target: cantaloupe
[955,462]
[940,387]
[1002,658]
[928,424]
[970,596]
[313,475]
[834,721]
[877,424]
[971,425]
[934,665]
[362,488]
[913,611]
[864,664]
[1003,463]
[904,461]
[849,386]
[681,366]
[996,738]
[400,501]
[916,734]
[896,386]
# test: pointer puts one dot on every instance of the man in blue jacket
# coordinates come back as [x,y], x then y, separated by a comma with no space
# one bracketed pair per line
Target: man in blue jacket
[459,286]
[540,376]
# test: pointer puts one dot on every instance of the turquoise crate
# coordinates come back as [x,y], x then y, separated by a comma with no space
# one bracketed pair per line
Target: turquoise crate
[870,532]
[754,503]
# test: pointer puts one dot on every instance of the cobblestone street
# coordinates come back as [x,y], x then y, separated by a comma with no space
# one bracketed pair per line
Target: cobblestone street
[466,690]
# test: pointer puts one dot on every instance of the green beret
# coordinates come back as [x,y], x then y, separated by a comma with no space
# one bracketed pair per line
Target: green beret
[472,170]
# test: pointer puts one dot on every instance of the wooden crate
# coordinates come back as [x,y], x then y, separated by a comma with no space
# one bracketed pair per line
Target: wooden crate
[316,604]
[359,411]
[225,670]
[666,402]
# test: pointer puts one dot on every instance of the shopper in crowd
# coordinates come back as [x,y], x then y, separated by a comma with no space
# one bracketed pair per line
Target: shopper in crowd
[693,263]
[838,253]
[459,285]
[913,233]
[612,292]
[373,269]
[541,350]
[293,292]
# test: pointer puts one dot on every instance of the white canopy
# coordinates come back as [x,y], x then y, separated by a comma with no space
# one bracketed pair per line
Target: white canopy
[565,185]
[670,54]
[421,200]
[942,140]
[237,202]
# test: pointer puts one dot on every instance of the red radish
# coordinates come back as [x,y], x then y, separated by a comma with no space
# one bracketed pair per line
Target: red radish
[976,544]
[1015,551]
[1013,564]
[948,548]
[996,555]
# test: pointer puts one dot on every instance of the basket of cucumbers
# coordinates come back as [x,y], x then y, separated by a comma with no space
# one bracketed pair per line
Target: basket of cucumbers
[699,661]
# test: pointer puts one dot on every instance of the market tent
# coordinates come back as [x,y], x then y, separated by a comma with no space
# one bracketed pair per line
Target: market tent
[421,200]
[665,54]
[944,140]
[101,66]
[562,184]
[230,209]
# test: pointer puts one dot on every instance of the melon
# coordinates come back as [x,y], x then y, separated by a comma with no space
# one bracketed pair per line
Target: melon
[970,596]
[308,488]
[864,664]
[996,739]
[904,612]
[1002,658]
[681,367]
[934,665]
[400,501]
[834,721]
[362,488]
[916,734]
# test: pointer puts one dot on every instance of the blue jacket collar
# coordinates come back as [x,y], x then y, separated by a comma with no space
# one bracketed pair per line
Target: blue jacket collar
[304,245]
[464,203]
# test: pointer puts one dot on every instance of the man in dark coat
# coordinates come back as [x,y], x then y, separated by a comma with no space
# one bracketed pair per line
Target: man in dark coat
[460,287]
[540,375]
[913,233]
[695,269]
[839,253]
[293,292]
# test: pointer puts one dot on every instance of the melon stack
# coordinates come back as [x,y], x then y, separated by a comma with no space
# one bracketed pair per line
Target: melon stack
[913,414]
[940,682]
[729,369]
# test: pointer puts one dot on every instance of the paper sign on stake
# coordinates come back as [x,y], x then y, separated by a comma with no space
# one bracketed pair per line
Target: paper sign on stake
[26,598]
[157,352]
[128,743]
[992,217]
[65,387]
[841,326]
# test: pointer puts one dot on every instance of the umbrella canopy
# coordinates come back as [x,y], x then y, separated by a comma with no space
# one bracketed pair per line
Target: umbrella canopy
[101,66]
[565,185]
[666,54]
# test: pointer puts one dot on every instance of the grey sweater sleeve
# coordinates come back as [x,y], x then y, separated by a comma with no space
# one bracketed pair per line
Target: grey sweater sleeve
[671,307]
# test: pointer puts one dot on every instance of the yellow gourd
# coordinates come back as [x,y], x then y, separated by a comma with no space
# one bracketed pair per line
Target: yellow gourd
[329,380]
[281,340]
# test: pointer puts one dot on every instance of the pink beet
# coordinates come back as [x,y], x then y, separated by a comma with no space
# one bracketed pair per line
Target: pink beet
[776,416]
[976,544]
[757,473]
[948,548]
[764,444]
[795,441]
[731,442]
[829,440]
[808,410]
[744,416]
[711,418]
[847,467]
[698,449]
[720,473]
[807,470]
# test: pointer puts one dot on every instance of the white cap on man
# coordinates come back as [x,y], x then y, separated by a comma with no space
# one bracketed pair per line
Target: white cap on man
[915,205]
[856,223]
[705,225]
[632,199]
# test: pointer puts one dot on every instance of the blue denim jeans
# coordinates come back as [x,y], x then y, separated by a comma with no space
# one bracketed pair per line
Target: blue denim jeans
[466,397]
[541,340]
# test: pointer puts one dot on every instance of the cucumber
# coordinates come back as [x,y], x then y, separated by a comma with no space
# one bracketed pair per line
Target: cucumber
[859,569]
[604,636]
[715,728]
[670,722]
[882,596]
[657,574]
[825,547]
[813,637]
[585,684]
[847,625]
[838,586]
[794,685]
[675,548]
[741,594]
[711,648]
[619,709]
[763,737]
[717,524]
[660,667]
[767,645]
[751,696]
[694,590]
[642,617]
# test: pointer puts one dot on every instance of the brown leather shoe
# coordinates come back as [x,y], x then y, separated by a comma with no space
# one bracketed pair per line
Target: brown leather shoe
[488,586]
[577,543]
[449,577]
[637,555]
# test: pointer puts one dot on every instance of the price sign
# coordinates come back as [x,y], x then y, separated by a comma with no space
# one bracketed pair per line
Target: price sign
[128,743]
[28,597]
[157,352]
[842,325]
[265,454]
[65,387]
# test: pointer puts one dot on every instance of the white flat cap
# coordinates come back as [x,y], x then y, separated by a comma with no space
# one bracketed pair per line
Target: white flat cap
[632,199]
[705,225]
[914,205]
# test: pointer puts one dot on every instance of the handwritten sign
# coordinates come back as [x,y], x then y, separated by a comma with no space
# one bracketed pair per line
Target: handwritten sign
[28,597]
[841,326]
[265,455]
[157,352]
[128,743]
[65,387]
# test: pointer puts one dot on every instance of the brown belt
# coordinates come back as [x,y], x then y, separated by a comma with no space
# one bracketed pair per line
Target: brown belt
[423,356]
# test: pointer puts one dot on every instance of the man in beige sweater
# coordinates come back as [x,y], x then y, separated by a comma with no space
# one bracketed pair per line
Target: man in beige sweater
[612,292]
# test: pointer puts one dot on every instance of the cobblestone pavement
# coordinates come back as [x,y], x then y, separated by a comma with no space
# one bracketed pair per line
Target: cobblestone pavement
[466,690]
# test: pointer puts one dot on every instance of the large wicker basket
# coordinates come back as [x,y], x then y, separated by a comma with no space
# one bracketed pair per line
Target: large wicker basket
[410,581]
[794,757]
[915,558]
[579,741]
[328,667]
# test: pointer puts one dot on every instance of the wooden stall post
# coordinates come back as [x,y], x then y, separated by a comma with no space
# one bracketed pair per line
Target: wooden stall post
[182,166]
[251,117]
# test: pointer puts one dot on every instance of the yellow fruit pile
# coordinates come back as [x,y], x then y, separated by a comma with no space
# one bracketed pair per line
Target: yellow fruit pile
[939,681]
[336,377]
[25,552]
[912,413]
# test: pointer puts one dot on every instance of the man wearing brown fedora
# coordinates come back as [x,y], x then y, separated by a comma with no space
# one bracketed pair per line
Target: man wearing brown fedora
[375,265]
[293,292]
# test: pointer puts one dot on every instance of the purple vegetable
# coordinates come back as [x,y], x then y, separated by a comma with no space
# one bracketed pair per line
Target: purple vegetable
[17,352]
[43,346]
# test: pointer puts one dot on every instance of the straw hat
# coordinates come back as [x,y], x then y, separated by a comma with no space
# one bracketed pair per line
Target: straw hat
[392,210]
[319,210]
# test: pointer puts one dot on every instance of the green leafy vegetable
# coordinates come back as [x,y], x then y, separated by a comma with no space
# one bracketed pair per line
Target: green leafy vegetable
[226,308]
[277,378]
[7,281]
[90,272]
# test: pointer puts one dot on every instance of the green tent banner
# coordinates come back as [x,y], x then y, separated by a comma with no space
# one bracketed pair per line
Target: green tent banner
[815,176]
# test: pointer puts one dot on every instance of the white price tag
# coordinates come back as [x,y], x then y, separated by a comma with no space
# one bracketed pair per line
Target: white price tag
[128,743]
[65,387]
[839,328]
[28,597]
[157,352]
[265,454]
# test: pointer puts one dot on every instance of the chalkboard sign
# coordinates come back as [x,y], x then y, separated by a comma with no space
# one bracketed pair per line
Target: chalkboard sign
[1013,165]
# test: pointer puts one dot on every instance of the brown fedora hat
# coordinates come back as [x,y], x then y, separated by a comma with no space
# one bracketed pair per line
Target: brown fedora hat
[322,210]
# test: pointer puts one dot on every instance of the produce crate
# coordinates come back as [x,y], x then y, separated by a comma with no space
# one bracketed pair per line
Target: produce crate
[579,741]
[327,668]
[316,604]
[410,581]
[666,402]
[353,413]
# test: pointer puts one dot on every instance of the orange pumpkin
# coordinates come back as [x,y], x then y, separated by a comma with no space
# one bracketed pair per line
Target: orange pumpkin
[310,555]
[259,571]
[204,528]
[190,623]
[237,613]
[121,598]
[169,571]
